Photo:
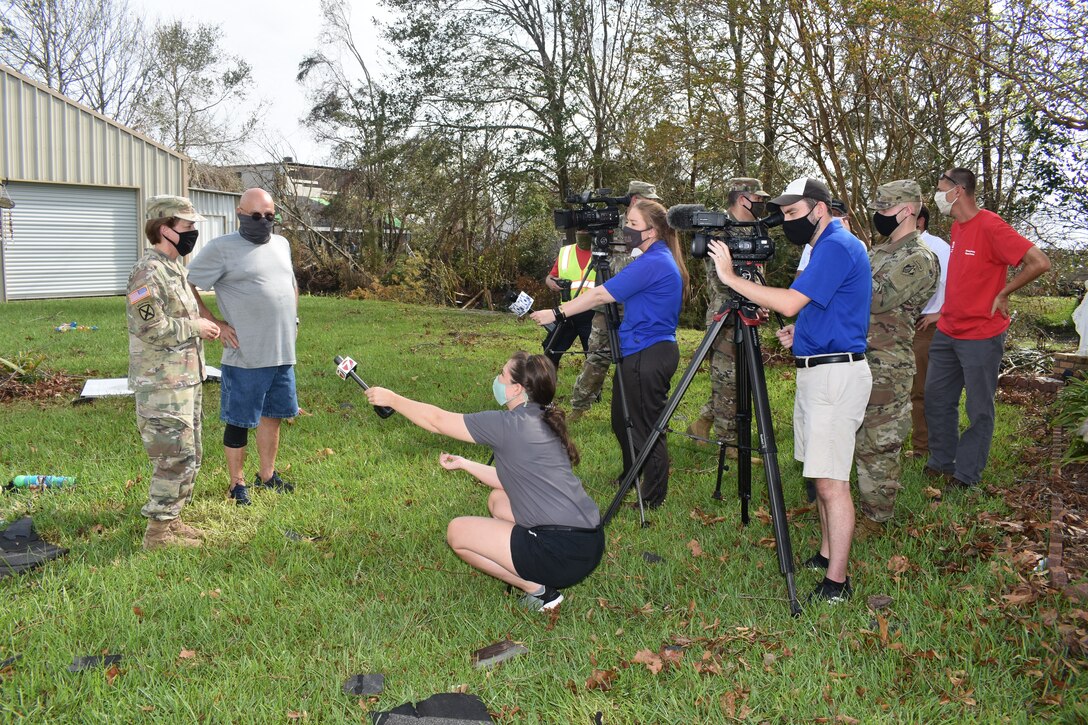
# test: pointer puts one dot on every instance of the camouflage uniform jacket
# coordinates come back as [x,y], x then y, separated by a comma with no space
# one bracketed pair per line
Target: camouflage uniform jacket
[716,290]
[164,348]
[905,276]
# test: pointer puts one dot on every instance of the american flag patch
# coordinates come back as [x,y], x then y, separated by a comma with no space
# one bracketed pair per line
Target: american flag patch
[138,295]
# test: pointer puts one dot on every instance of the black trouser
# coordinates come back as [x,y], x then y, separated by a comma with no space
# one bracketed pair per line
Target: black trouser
[576,327]
[646,378]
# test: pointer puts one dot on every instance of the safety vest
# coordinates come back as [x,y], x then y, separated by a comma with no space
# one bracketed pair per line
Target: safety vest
[570,269]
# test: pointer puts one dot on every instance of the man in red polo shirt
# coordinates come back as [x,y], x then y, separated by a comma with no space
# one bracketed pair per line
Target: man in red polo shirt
[970,339]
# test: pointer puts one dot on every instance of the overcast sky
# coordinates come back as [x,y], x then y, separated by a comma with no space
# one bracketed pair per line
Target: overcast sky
[273,39]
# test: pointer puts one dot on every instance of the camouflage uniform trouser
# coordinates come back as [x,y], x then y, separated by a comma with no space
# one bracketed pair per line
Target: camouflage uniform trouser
[886,424]
[169,423]
[590,381]
[722,405]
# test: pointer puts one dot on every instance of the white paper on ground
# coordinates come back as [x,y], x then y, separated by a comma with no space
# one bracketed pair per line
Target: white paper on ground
[103,387]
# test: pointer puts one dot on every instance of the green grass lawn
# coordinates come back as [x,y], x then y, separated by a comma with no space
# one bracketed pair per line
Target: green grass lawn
[277,625]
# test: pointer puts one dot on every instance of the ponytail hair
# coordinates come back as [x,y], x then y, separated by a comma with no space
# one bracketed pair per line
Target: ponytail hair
[655,215]
[536,374]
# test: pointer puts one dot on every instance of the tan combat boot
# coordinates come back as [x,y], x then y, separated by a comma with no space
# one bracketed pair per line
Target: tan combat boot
[866,528]
[700,428]
[180,528]
[158,535]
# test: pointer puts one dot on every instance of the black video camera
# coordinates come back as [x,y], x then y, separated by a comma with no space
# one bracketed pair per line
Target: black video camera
[747,241]
[588,217]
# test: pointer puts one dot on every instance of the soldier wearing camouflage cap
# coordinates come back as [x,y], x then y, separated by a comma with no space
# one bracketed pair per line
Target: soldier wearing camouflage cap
[905,275]
[745,203]
[587,388]
[166,367]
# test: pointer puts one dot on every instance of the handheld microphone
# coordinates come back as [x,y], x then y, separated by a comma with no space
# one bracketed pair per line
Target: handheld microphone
[345,368]
[681,217]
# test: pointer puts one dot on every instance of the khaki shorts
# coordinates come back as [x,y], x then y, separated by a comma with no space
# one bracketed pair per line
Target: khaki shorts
[827,411]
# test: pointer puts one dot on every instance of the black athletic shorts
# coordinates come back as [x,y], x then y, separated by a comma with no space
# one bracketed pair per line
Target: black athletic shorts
[555,556]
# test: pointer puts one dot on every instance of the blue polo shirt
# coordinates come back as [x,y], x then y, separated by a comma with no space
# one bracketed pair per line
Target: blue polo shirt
[839,282]
[651,291]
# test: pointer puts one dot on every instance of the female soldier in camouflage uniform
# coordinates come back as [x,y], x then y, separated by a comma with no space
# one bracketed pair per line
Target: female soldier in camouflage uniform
[166,367]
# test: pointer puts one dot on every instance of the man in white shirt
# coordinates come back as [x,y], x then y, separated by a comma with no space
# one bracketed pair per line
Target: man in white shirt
[923,335]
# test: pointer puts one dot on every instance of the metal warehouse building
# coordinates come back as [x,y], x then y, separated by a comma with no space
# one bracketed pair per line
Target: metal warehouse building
[78,181]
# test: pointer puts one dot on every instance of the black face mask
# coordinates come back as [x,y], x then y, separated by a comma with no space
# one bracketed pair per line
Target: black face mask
[757,208]
[632,237]
[884,224]
[799,231]
[257,232]
[186,241]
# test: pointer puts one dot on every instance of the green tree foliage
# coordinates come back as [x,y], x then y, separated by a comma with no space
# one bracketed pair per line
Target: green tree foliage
[198,102]
[508,100]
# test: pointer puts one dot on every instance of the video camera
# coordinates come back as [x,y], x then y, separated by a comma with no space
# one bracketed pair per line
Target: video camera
[589,217]
[747,241]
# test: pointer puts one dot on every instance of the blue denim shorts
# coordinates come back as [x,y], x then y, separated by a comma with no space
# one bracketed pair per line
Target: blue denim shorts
[248,394]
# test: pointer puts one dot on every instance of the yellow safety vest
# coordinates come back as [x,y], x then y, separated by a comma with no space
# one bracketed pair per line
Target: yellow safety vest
[570,269]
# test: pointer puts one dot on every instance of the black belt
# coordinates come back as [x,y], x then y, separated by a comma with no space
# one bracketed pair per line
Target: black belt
[811,362]
[568,529]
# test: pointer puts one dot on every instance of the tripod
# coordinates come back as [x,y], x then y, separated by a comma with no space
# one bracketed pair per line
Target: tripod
[751,392]
[602,243]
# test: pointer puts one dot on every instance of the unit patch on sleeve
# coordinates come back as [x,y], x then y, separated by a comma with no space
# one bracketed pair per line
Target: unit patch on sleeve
[147,312]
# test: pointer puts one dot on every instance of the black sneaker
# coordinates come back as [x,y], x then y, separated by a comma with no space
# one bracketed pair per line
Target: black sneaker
[240,495]
[816,561]
[550,599]
[275,483]
[831,592]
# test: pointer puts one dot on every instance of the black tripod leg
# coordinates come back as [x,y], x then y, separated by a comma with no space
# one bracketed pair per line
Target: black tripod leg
[717,495]
[769,450]
[625,410]
[743,418]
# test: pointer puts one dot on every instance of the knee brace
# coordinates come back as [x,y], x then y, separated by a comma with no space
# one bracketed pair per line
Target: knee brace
[235,436]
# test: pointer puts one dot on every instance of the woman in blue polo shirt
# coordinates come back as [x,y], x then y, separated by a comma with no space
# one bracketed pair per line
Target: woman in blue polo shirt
[652,289]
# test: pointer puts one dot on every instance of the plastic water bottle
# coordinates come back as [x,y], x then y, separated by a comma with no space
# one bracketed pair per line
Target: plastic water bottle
[39,482]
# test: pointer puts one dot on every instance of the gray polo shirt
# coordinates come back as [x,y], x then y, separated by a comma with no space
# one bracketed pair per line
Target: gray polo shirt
[255,288]
[534,468]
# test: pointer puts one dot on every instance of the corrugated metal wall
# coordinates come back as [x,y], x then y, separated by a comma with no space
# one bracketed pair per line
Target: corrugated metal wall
[219,207]
[50,139]
[46,137]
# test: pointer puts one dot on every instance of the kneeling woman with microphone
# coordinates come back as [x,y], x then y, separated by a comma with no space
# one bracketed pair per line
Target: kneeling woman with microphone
[652,289]
[544,531]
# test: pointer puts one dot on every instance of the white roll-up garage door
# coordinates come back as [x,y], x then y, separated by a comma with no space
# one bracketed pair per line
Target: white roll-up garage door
[69,241]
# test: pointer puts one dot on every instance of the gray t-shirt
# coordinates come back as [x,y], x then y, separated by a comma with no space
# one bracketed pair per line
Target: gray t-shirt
[255,288]
[534,468]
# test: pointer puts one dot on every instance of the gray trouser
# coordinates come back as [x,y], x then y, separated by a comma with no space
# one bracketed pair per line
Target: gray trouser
[956,365]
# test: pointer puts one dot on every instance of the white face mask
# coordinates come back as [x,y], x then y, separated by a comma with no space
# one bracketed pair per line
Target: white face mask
[940,198]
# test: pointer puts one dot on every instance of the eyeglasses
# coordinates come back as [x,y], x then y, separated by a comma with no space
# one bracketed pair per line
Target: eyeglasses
[949,179]
[257,216]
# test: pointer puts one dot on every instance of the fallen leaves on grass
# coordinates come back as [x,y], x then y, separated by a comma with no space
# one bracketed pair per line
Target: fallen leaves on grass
[733,704]
[696,550]
[112,673]
[704,518]
[187,654]
[601,680]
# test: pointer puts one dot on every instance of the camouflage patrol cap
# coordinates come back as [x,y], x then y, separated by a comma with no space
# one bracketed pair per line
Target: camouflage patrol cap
[897,192]
[748,184]
[643,189]
[165,205]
